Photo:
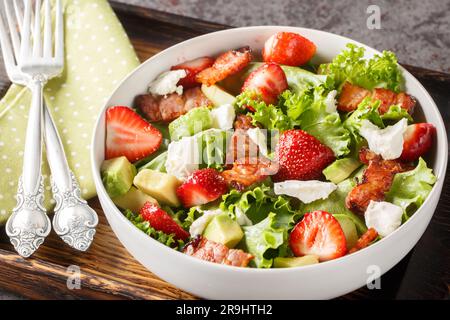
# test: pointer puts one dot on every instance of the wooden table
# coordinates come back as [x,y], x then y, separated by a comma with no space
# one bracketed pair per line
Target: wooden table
[109,272]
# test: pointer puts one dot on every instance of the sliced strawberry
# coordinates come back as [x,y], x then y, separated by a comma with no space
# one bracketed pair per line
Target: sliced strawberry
[319,233]
[127,134]
[226,64]
[203,186]
[418,139]
[269,81]
[193,68]
[289,49]
[301,156]
[162,221]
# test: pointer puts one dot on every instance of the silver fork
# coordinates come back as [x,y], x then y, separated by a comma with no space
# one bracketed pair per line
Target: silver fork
[74,220]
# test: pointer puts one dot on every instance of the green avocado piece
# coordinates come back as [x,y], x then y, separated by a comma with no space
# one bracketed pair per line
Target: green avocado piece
[349,228]
[117,176]
[281,262]
[133,200]
[223,229]
[217,95]
[195,121]
[341,169]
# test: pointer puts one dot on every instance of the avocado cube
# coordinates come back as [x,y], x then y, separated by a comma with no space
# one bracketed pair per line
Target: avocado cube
[341,169]
[292,262]
[159,185]
[195,121]
[217,95]
[133,200]
[224,230]
[117,176]
[349,228]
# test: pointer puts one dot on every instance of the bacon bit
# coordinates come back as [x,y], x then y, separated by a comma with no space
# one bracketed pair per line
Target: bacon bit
[243,122]
[248,171]
[366,239]
[171,107]
[211,251]
[351,96]
[376,181]
[227,64]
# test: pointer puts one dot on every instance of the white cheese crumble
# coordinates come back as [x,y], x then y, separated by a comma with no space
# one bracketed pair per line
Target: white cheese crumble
[166,83]
[183,158]
[330,102]
[384,217]
[199,225]
[258,137]
[305,191]
[387,142]
[223,117]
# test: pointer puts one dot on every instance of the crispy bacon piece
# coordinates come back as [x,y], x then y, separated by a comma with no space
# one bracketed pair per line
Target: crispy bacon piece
[376,181]
[211,251]
[351,96]
[365,240]
[243,122]
[171,107]
[248,171]
[227,64]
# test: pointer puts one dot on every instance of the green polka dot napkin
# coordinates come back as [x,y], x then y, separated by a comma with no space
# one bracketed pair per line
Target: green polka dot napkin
[98,56]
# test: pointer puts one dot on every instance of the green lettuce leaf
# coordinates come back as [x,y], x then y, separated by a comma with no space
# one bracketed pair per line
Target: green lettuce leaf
[410,189]
[157,164]
[213,143]
[395,114]
[263,239]
[256,204]
[144,226]
[335,204]
[300,80]
[382,71]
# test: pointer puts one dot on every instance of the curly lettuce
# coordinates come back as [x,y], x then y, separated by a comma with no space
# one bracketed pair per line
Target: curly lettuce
[396,113]
[410,189]
[381,71]
[263,240]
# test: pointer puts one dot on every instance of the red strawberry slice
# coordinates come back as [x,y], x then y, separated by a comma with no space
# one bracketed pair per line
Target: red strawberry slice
[193,68]
[289,49]
[418,139]
[203,186]
[319,233]
[127,134]
[301,156]
[269,81]
[162,221]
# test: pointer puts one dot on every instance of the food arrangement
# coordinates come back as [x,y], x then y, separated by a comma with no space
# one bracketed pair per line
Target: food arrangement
[272,163]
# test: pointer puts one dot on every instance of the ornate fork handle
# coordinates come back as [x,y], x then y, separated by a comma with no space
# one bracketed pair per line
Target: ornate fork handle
[29,224]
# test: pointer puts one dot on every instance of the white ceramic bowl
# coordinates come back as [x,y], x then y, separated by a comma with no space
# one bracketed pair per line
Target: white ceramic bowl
[214,281]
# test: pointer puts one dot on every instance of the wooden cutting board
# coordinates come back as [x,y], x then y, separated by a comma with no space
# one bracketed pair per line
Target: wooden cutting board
[109,272]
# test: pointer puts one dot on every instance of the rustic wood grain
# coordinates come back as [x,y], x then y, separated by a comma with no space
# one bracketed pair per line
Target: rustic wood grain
[109,272]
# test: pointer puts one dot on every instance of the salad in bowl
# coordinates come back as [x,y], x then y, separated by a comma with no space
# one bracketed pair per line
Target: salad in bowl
[268,160]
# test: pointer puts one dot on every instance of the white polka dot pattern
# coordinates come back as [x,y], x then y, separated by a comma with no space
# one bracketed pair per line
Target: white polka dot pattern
[94,38]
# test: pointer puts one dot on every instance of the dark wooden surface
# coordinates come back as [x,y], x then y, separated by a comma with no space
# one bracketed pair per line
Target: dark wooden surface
[109,272]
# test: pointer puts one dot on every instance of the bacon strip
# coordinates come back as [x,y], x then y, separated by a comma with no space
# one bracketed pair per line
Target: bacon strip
[366,239]
[376,181]
[227,64]
[211,251]
[351,96]
[171,107]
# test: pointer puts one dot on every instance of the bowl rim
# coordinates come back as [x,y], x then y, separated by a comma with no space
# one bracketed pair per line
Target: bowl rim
[439,173]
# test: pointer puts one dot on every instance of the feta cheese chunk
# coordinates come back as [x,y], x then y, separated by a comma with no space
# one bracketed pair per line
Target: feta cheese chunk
[305,191]
[166,83]
[330,102]
[258,137]
[384,217]
[183,158]
[387,142]
[199,225]
[223,117]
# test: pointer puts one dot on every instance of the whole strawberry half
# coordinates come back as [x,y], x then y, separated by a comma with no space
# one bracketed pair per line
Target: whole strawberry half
[193,68]
[418,140]
[288,48]
[203,186]
[127,134]
[320,234]
[301,156]
[162,221]
[268,81]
